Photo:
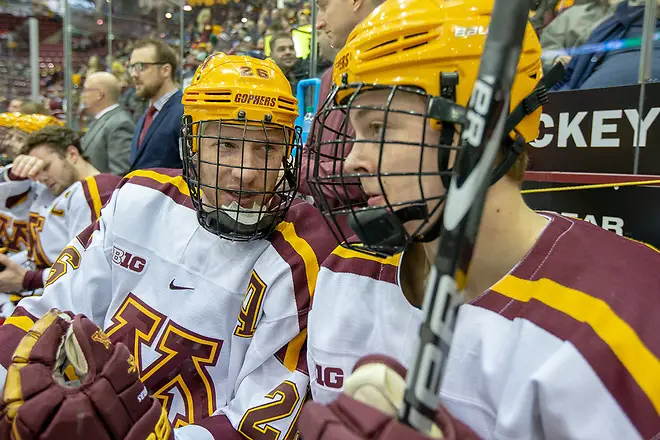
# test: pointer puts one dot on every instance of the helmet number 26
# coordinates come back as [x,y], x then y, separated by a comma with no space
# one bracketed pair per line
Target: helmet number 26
[249,71]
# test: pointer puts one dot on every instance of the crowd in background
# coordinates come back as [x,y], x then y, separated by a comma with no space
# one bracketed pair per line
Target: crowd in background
[259,29]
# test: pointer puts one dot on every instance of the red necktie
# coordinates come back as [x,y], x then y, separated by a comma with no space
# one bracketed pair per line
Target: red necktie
[147,122]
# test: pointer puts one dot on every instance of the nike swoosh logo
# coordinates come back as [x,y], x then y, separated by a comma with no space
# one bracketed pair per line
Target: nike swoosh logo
[175,287]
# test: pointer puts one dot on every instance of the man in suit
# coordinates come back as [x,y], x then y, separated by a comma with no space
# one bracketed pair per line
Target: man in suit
[156,141]
[107,143]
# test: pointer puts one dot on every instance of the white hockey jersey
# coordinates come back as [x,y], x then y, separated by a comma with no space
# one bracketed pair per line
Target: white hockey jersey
[563,347]
[17,199]
[217,328]
[51,227]
[358,309]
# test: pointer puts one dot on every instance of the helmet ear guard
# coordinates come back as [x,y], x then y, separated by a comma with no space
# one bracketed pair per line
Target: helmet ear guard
[538,98]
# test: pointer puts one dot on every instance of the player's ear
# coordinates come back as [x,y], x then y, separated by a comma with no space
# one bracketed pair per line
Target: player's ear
[72,154]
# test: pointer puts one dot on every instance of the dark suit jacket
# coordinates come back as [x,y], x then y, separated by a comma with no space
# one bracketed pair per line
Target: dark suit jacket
[107,143]
[160,148]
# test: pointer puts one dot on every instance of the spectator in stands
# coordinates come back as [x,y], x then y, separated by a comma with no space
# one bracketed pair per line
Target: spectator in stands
[107,143]
[572,28]
[153,68]
[34,107]
[15,105]
[544,11]
[93,65]
[616,67]
[283,52]
[336,18]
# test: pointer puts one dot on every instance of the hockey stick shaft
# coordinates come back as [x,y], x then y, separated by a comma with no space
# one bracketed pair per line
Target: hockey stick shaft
[481,140]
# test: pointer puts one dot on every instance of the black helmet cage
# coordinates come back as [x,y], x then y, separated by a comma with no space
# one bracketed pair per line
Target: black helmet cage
[274,203]
[379,229]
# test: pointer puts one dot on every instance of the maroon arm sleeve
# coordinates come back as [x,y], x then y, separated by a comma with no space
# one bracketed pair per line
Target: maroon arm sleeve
[34,279]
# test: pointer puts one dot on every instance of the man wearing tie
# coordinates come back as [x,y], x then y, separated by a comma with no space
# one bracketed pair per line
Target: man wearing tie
[107,142]
[156,140]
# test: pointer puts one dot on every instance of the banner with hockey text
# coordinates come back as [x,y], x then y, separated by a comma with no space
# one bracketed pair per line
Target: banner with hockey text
[582,162]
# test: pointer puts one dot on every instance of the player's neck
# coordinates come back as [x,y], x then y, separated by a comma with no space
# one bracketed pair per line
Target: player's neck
[85,169]
[509,229]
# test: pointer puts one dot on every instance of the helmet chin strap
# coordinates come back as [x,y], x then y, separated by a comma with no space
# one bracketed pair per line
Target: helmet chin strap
[220,221]
[382,230]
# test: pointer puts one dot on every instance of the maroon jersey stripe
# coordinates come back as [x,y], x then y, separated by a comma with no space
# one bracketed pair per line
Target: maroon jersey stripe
[105,186]
[621,272]
[89,198]
[174,188]
[614,375]
[348,261]
[85,236]
[302,268]
[98,190]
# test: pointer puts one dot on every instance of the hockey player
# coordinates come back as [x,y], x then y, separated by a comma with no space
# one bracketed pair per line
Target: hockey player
[206,278]
[557,336]
[18,196]
[54,159]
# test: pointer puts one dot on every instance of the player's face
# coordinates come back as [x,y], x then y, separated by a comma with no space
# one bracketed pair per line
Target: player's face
[244,164]
[413,168]
[57,173]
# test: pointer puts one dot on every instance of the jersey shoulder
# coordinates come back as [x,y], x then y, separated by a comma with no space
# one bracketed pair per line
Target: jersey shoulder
[163,181]
[344,260]
[104,184]
[304,231]
[92,192]
[594,290]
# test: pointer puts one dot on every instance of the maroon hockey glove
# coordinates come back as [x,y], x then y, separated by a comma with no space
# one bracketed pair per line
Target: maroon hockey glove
[67,380]
[348,418]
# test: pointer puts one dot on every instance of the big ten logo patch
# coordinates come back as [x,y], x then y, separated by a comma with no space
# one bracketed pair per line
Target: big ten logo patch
[127,260]
[330,377]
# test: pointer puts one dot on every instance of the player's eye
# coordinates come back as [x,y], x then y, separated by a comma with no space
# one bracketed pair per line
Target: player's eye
[376,128]
[227,145]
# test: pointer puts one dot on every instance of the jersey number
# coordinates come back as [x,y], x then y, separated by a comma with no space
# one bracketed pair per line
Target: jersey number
[70,257]
[255,422]
[247,318]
